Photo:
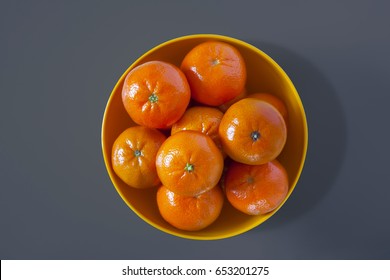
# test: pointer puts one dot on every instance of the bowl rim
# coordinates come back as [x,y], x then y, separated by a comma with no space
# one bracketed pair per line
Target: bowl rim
[210,36]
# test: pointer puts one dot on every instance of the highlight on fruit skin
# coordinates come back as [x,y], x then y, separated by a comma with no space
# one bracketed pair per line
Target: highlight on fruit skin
[256,189]
[190,213]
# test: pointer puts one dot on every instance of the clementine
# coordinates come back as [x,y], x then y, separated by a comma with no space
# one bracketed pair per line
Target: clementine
[190,213]
[189,163]
[156,94]
[274,101]
[133,156]
[202,119]
[215,71]
[256,189]
[252,131]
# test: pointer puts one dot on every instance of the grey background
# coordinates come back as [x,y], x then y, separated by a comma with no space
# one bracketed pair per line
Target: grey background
[60,61]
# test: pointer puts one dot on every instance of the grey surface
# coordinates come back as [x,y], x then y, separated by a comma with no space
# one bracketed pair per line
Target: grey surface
[60,61]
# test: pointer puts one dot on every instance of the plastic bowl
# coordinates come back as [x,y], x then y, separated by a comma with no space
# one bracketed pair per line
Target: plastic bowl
[264,75]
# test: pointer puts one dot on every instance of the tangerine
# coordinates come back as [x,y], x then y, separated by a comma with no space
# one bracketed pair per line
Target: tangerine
[190,213]
[256,189]
[215,71]
[156,94]
[189,163]
[202,119]
[252,131]
[133,156]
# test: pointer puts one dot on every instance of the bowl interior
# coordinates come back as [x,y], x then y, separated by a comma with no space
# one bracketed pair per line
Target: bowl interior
[264,75]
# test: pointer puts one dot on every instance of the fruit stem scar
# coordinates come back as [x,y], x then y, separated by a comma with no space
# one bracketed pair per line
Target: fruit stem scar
[153,98]
[255,135]
[137,153]
[215,61]
[189,167]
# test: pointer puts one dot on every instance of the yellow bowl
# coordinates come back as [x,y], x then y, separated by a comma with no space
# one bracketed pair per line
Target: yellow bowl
[264,75]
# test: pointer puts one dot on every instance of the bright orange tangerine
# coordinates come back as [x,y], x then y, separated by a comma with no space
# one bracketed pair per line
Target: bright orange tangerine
[190,213]
[189,163]
[216,72]
[256,189]
[252,131]
[133,156]
[156,94]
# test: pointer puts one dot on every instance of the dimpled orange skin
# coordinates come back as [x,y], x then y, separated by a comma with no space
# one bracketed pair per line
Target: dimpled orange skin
[202,119]
[256,189]
[189,163]
[274,101]
[190,213]
[215,71]
[252,132]
[156,94]
[133,156]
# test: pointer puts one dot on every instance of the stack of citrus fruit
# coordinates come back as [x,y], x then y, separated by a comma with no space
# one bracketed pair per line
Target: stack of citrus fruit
[201,137]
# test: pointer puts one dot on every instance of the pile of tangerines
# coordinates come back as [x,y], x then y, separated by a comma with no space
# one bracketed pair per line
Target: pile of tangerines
[201,138]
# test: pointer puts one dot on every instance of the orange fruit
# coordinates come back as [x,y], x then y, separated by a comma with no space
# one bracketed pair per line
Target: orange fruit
[252,131]
[227,105]
[156,94]
[215,71]
[202,119]
[190,212]
[133,156]
[274,101]
[189,163]
[256,189]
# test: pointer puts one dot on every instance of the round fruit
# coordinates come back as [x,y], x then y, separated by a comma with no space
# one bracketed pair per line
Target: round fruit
[256,189]
[133,156]
[190,212]
[156,94]
[189,163]
[202,119]
[215,71]
[274,101]
[252,131]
